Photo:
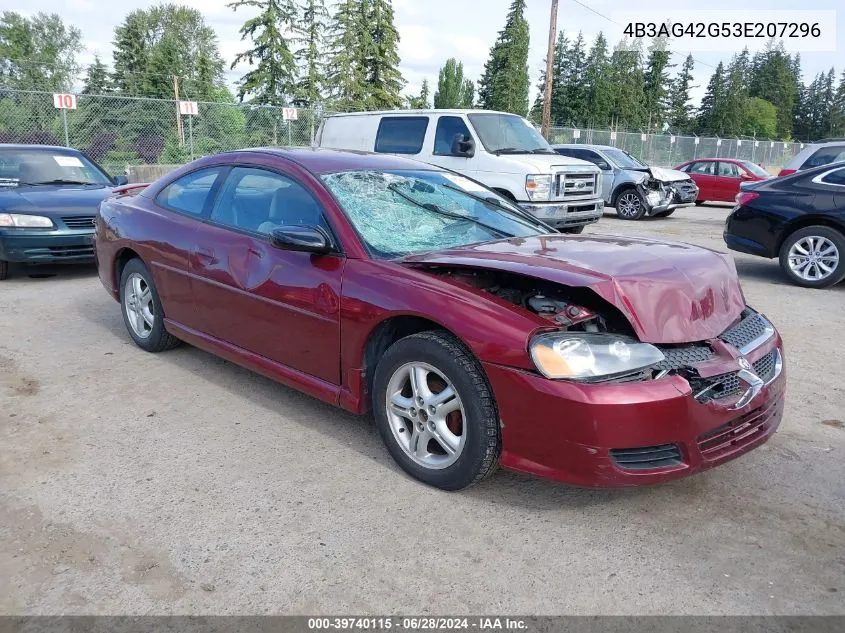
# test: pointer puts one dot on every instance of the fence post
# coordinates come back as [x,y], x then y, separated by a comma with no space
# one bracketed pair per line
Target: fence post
[64,124]
[191,133]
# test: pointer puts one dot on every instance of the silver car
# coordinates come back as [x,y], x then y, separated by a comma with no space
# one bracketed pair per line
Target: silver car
[634,189]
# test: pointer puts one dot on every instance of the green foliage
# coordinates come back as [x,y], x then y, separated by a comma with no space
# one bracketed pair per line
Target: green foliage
[347,66]
[310,32]
[597,84]
[453,89]
[421,101]
[628,82]
[153,45]
[712,111]
[656,83]
[761,118]
[97,80]
[37,53]
[504,84]
[272,80]
[383,78]
[679,112]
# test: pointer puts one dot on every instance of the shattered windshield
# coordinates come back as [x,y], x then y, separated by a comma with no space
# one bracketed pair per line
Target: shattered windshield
[400,212]
[509,134]
[623,159]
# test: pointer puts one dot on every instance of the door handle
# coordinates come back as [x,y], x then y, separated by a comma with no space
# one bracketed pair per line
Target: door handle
[205,255]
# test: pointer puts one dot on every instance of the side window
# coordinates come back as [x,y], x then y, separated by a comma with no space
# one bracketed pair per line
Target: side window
[566,151]
[729,170]
[825,156]
[704,168]
[259,201]
[401,134]
[189,193]
[447,128]
[835,178]
[592,157]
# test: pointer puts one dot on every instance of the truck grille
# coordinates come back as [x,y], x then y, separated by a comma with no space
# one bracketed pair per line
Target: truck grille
[574,186]
[79,221]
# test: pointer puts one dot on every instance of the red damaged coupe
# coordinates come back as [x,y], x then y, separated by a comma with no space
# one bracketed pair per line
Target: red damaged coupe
[475,334]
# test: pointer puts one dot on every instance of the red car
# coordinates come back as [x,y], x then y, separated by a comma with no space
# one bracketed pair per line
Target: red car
[475,333]
[718,179]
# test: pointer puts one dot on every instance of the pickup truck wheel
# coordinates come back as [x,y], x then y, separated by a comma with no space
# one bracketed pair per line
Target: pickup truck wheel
[630,205]
[141,308]
[435,411]
[4,269]
[814,257]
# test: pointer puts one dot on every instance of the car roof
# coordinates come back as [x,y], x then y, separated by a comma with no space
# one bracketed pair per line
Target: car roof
[421,112]
[323,160]
[46,148]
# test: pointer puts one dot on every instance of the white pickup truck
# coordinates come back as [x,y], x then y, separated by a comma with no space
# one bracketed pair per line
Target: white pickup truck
[500,150]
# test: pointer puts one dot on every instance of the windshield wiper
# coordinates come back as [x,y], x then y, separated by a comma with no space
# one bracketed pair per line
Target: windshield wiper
[492,202]
[61,181]
[543,150]
[428,206]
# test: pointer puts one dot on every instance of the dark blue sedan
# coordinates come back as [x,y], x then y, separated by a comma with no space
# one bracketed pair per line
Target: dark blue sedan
[48,199]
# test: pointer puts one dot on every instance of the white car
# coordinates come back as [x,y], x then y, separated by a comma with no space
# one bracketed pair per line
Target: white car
[817,154]
[500,150]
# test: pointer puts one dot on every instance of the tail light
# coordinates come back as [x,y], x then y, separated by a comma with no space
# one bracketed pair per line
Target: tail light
[744,197]
[786,172]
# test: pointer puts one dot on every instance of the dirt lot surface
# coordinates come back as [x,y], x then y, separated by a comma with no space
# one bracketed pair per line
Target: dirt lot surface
[178,483]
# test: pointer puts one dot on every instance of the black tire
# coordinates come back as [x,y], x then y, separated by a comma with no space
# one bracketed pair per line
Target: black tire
[698,203]
[574,230]
[480,454]
[4,269]
[831,235]
[638,208]
[158,339]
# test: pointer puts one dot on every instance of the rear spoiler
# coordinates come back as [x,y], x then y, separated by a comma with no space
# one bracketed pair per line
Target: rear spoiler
[130,189]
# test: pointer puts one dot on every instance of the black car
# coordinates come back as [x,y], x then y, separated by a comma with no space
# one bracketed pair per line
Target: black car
[798,218]
[48,199]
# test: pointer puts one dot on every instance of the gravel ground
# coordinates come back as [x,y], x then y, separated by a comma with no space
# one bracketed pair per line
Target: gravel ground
[133,483]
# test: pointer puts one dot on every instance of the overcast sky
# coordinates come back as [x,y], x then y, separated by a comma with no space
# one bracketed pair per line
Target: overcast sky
[433,30]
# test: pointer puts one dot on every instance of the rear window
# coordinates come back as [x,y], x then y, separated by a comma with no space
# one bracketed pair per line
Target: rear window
[401,135]
[835,178]
[825,156]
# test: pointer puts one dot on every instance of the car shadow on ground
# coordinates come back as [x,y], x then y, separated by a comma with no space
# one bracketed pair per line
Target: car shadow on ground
[359,432]
[768,270]
[19,273]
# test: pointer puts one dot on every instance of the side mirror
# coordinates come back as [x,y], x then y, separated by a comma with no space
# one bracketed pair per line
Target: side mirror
[311,239]
[603,165]
[120,180]
[463,145]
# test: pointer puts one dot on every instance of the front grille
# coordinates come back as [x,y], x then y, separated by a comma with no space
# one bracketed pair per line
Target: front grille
[737,433]
[725,385]
[680,357]
[571,186]
[79,221]
[647,457]
[752,326]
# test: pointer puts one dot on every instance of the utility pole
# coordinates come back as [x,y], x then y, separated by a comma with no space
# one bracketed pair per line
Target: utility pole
[550,57]
[179,131]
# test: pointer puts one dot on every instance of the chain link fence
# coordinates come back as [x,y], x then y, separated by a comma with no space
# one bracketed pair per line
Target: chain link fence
[119,132]
[667,150]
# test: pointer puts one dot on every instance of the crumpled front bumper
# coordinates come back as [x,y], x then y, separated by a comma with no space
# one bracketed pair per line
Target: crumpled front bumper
[669,198]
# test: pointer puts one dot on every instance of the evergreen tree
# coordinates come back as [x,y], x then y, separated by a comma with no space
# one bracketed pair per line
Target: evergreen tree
[272,80]
[736,94]
[96,78]
[504,85]
[453,90]
[561,70]
[628,82]
[130,53]
[574,89]
[776,78]
[656,82]
[347,64]
[309,31]
[828,96]
[383,78]
[597,83]
[711,113]
[838,116]
[679,114]
[420,102]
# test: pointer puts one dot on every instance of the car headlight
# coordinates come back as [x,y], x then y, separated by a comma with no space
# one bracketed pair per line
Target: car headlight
[25,221]
[538,186]
[585,356]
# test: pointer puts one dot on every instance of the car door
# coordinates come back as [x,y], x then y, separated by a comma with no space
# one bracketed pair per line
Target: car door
[184,202]
[447,127]
[702,174]
[280,304]
[608,174]
[727,181]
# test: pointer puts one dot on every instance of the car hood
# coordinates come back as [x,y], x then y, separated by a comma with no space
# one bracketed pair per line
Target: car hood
[669,292]
[54,199]
[538,163]
[668,175]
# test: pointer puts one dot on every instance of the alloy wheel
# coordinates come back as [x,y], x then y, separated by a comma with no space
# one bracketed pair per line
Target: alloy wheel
[138,300]
[813,258]
[426,415]
[628,205]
